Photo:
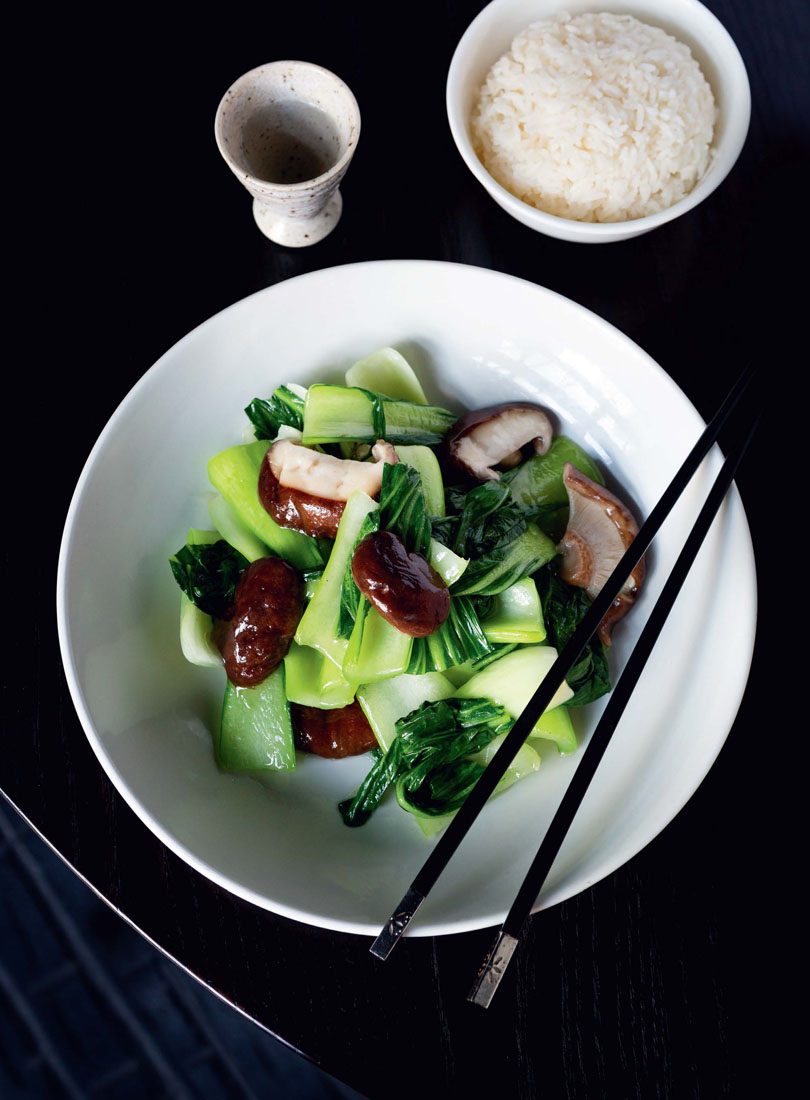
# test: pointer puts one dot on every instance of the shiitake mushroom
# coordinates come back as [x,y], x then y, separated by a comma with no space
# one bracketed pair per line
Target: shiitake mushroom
[495,436]
[307,490]
[600,528]
[268,603]
[404,587]
[343,731]
[315,516]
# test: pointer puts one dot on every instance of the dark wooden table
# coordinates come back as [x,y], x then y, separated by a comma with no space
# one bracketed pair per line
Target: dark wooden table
[657,981]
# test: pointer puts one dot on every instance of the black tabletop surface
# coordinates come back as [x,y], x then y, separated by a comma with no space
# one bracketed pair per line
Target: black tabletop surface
[653,982]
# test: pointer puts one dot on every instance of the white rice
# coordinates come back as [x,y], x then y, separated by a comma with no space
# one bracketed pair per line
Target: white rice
[596,117]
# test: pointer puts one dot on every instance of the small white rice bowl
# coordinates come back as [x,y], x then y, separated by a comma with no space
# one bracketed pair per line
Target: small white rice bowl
[595,117]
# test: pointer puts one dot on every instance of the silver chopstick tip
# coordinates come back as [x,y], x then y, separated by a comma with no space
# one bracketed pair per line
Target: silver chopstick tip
[492,970]
[396,924]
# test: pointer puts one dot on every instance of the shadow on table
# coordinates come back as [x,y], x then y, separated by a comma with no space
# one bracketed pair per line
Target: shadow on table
[88,1008]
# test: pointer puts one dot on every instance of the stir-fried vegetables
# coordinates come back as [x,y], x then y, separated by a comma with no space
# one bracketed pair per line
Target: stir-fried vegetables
[437,607]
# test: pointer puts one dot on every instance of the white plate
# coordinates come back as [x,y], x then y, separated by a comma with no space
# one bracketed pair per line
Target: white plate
[476,337]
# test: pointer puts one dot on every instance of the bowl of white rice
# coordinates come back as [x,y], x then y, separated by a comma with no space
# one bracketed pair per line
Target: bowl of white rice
[598,121]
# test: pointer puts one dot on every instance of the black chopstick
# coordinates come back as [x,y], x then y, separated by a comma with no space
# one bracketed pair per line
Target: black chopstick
[492,970]
[459,825]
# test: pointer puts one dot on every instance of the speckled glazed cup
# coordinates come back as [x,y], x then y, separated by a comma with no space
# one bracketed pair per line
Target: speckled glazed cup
[288,131]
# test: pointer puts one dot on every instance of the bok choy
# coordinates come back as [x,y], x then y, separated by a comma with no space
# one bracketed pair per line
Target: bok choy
[433,658]
[284,407]
[335,414]
[429,758]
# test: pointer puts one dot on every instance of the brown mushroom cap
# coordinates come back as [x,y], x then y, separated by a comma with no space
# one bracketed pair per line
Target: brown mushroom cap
[489,437]
[600,528]
[267,606]
[307,490]
[405,588]
[314,516]
[334,733]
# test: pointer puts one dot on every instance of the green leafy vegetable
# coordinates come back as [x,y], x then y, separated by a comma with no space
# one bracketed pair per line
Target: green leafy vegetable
[375,401]
[255,733]
[358,809]
[553,522]
[504,566]
[438,734]
[494,534]
[311,578]
[564,607]
[443,790]
[387,372]
[312,680]
[208,574]
[448,565]
[429,758]
[231,528]
[487,520]
[376,649]
[234,473]
[537,484]
[388,700]
[268,414]
[444,529]
[496,651]
[403,511]
[416,425]
[335,414]
[319,623]
[514,615]
[460,638]
[196,628]
[426,464]
[460,674]
[349,592]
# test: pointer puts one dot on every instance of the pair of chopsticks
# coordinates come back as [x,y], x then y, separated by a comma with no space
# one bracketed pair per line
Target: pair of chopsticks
[506,941]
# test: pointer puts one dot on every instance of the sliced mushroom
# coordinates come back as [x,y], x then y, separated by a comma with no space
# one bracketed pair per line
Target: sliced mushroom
[512,460]
[307,490]
[600,528]
[314,516]
[323,475]
[495,436]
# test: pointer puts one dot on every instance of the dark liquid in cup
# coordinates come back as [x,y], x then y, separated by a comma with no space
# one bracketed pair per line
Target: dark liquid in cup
[290,143]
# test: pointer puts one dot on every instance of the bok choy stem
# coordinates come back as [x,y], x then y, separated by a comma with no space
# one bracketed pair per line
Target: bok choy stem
[334,414]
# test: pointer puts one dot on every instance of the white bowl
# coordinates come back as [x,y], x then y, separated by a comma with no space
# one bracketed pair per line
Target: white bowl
[490,35]
[476,337]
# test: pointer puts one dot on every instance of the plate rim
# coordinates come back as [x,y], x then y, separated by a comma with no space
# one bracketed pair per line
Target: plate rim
[611,863]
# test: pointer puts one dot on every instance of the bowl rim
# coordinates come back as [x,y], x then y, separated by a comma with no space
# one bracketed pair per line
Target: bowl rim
[624,851]
[540,220]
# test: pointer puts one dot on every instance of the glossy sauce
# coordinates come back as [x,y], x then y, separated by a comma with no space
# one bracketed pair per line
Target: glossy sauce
[315,516]
[267,606]
[333,733]
[405,588]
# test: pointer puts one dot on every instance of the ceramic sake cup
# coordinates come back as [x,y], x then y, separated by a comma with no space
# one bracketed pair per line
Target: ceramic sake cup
[288,131]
